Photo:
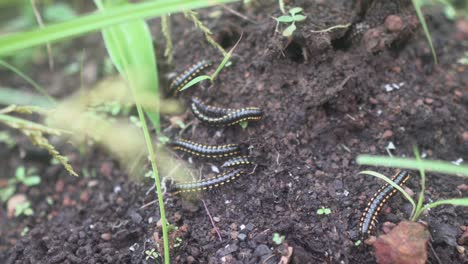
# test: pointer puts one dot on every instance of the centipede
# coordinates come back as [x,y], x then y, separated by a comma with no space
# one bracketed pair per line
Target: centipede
[237,161]
[186,76]
[206,151]
[236,116]
[208,110]
[377,202]
[206,184]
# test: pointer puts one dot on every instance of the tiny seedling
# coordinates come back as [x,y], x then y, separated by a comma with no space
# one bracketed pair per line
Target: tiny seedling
[357,243]
[24,231]
[323,211]
[244,124]
[23,176]
[24,209]
[151,254]
[163,139]
[278,239]
[178,242]
[291,19]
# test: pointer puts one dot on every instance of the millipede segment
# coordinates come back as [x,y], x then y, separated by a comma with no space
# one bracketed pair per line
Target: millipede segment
[237,161]
[377,202]
[207,184]
[232,116]
[206,151]
[185,77]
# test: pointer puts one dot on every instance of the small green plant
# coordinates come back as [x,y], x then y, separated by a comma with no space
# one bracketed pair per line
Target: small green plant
[291,19]
[278,239]
[22,176]
[323,211]
[24,209]
[151,254]
[422,166]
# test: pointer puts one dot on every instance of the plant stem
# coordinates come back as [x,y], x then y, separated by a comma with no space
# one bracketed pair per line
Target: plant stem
[157,182]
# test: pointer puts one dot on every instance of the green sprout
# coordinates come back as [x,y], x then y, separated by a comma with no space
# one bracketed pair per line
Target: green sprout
[244,124]
[151,254]
[178,242]
[278,239]
[323,211]
[357,243]
[23,176]
[292,19]
[24,209]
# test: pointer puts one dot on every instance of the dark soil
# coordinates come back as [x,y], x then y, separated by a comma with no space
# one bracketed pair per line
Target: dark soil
[325,103]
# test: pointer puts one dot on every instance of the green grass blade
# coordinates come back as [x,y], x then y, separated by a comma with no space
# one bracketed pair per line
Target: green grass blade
[422,20]
[10,96]
[456,202]
[36,86]
[95,21]
[130,47]
[136,44]
[427,165]
[195,81]
[396,186]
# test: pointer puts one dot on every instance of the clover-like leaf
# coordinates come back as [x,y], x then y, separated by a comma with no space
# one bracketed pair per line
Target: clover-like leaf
[285,19]
[299,18]
[295,10]
[289,30]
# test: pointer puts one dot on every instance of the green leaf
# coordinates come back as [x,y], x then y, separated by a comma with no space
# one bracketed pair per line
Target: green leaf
[299,18]
[285,19]
[31,180]
[244,124]
[289,30]
[7,192]
[405,163]
[422,20]
[95,21]
[327,211]
[195,81]
[130,48]
[20,173]
[295,10]
[456,202]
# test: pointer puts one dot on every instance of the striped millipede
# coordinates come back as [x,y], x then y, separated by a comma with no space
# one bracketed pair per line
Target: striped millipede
[378,201]
[205,184]
[210,111]
[231,118]
[206,151]
[186,76]
[237,161]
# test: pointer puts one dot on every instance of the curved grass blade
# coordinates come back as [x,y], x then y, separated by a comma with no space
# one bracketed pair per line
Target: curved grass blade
[96,21]
[405,163]
[422,20]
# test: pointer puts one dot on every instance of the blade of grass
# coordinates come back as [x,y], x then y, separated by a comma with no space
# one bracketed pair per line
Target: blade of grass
[96,21]
[217,71]
[422,20]
[396,186]
[133,63]
[36,86]
[14,96]
[456,202]
[427,165]
[422,173]
[136,42]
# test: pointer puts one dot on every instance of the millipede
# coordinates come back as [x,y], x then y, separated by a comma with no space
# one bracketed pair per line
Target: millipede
[237,161]
[206,151]
[236,116]
[182,79]
[377,202]
[210,111]
[206,184]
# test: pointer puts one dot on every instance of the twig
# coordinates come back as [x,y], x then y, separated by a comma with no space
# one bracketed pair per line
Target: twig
[234,12]
[41,24]
[331,28]
[212,221]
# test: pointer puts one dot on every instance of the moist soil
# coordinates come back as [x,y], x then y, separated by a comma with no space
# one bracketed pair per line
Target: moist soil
[327,97]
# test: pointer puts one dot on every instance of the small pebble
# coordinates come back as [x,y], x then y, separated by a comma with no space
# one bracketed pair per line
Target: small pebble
[106,236]
[394,23]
